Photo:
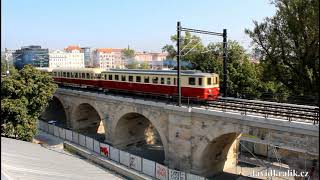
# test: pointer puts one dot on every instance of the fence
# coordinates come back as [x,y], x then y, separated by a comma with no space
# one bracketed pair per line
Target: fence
[131,161]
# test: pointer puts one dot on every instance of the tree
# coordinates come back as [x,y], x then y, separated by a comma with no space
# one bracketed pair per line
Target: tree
[132,65]
[144,65]
[24,95]
[128,53]
[288,44]
[243,75]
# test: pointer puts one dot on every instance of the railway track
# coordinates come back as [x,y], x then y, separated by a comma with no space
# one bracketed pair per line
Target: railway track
[290,112]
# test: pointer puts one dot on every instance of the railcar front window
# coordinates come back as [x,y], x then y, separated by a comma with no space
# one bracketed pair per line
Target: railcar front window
[146,79]
[192,81]
[200,81]
[209,81]
[217,80]
[123,78]
[168,81]
[130,78]
[138,78]
[155,80]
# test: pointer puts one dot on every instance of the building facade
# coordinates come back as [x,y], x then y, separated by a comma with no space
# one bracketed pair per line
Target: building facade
[33,55]
[71,57]
[88,56]
[108,58]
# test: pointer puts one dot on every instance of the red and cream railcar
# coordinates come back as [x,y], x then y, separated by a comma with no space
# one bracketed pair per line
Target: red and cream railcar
[194,84]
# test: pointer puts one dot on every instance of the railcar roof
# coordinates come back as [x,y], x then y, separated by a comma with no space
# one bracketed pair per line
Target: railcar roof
[158,72]
[89,70]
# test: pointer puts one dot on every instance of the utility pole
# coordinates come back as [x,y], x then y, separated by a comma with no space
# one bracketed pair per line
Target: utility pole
[7,62]
[225,56]
[178,62]
[225,71]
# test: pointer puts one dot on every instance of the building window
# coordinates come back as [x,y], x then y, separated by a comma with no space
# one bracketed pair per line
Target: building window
[209,81]
[162,80]
[146,79]
[200,81]
[168,81]
[130,78]
[155,80]
[123,78]
[138,78]
[192,81]
[116,77]
[110,76]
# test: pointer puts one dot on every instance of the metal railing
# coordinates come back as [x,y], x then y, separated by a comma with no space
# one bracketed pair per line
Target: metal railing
[131,161]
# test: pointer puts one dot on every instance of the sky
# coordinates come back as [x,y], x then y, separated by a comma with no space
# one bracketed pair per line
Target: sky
[144,25]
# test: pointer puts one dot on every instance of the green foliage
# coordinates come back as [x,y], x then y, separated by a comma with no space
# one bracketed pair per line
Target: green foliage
[133,65]
[243,75]
[144,65]
[128,53]
[24,95]
[288,44]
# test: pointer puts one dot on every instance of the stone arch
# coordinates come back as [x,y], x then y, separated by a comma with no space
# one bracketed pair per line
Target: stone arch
[87,119]
[217,151]
[120,126]
[56,111]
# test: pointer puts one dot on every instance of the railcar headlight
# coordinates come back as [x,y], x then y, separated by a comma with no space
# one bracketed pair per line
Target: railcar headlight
[209,91]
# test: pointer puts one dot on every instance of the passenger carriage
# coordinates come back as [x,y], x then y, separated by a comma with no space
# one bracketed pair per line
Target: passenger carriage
[194,84]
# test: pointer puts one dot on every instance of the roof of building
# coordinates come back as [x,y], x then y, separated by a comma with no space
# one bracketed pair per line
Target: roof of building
[160,72]
[73,47]
[108,50]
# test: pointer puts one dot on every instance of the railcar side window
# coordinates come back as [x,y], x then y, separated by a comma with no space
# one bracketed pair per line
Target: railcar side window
[130,78]
[209,81]
[83,75]
[110,76]
[123,78]
[192,81]
[116,77]
[146,79]
[76,75]
[54,73]
[155,80]
[68,74]
[138,78]
[98,76]
[162,80]
[174,81]
[169,81]
[88,76]
[200,82]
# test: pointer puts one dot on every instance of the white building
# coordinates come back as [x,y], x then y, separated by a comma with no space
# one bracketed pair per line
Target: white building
[108,58]
[73,58]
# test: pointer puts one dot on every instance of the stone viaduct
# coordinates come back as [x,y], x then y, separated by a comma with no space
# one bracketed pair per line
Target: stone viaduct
[197,140]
